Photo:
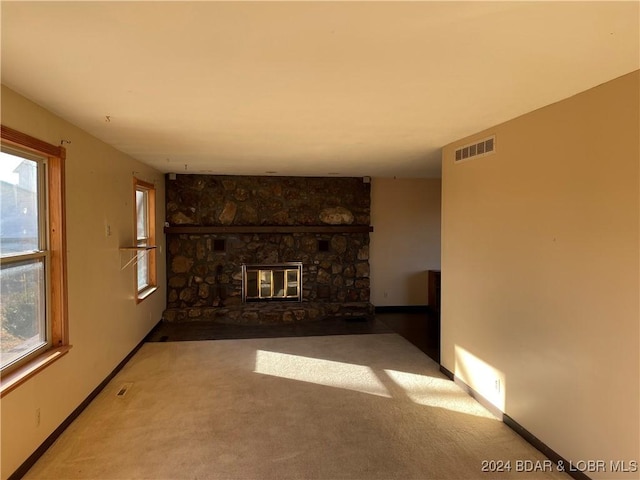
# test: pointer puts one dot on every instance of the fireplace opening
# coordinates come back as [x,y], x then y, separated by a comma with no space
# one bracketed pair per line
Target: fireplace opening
[276,282]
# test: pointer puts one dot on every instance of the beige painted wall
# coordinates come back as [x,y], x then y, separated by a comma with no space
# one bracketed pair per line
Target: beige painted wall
[405,243]
[105,323]
[540,272]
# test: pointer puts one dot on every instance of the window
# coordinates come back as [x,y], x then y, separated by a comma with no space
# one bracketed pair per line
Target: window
[32,276]
[145,202]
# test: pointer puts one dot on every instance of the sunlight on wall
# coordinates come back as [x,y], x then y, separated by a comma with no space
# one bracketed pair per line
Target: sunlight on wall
[437,392]
[358,378]
[488,381]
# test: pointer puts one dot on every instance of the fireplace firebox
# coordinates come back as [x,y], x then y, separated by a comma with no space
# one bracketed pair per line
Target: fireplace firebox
[275,282]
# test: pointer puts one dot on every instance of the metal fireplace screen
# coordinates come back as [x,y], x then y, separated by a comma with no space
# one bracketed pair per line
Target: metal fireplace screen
[279,282]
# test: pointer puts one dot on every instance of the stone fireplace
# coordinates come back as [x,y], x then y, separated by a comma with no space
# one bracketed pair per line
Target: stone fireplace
[267,249]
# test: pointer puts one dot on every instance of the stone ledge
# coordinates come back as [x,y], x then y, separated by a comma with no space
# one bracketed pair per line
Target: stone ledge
[269,313]
[204,230]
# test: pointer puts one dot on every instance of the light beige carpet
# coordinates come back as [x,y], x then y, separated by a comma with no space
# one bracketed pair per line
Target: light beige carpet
[335,407]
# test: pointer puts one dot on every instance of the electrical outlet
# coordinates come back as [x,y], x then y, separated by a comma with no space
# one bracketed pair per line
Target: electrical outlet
[497,385]
[37,417]
[107,230]
[386,294]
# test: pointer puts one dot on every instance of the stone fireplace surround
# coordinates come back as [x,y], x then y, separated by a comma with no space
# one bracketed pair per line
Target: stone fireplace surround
[215,224]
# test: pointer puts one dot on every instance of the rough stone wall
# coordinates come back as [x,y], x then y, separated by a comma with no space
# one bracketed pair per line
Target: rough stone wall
[204,270]
[279,201]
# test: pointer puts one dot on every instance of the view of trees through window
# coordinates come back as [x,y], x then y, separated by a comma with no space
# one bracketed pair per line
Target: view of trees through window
[23,257]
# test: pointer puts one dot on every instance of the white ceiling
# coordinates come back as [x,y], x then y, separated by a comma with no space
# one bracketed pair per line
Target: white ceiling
[307,88]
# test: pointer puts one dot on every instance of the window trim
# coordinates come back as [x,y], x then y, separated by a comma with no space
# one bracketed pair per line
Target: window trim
[57,275]
[150,248]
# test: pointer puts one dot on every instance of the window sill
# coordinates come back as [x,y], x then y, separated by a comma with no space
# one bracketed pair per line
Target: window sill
[17,377]
[145,293]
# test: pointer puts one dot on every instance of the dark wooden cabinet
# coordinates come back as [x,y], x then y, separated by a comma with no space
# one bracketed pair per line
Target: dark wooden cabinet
[434,290]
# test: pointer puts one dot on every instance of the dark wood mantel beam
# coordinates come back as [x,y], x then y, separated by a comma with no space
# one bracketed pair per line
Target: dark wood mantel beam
[270,229]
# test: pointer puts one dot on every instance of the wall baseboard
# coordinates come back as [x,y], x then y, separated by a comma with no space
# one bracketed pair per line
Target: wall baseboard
[33,458]
[544,448]
[495,411]
[516,427]
[403,309]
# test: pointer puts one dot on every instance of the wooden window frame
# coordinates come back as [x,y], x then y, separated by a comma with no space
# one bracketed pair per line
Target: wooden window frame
[150,248]
[57,275]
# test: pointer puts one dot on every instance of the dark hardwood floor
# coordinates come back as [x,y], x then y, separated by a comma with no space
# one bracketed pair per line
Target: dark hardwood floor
[422,329]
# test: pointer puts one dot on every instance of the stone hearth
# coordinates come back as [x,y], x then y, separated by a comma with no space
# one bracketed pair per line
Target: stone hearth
[218,223]
[270,313]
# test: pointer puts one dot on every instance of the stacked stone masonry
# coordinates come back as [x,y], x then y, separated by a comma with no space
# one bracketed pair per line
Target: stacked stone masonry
[205,270]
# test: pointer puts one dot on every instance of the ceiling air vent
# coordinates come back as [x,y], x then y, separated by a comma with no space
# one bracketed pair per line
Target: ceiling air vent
[478,149]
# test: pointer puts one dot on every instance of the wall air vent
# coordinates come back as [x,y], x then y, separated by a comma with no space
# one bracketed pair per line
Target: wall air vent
[477,149]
